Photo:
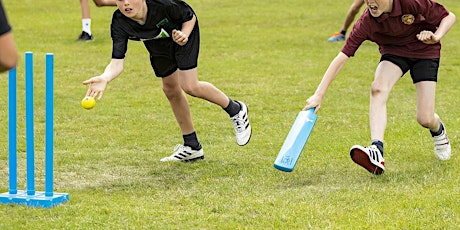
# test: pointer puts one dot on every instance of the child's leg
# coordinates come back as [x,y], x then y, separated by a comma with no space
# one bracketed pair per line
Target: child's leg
[371,157]
[85,10]
[238,111]
[192,149]
[178,102]
[386,76]
[85,22]
[426,116]
[201,89]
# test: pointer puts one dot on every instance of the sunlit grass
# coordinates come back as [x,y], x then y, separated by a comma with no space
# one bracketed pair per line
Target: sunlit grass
[269,54]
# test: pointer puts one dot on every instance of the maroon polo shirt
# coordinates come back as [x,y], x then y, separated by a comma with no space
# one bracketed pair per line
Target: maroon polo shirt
[395,32]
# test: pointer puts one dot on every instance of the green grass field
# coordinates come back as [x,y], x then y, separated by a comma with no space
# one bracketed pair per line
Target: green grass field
[270,54]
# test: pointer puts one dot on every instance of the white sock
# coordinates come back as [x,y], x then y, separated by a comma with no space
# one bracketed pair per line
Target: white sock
[86,25]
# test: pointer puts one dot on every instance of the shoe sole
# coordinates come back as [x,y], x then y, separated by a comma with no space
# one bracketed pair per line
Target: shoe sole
[361,158]
[250,135]
[194,159]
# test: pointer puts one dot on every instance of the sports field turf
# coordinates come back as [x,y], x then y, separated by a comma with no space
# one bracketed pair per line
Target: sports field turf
[271,55]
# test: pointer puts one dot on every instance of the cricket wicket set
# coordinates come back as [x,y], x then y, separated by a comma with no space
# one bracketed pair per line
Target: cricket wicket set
[29,196]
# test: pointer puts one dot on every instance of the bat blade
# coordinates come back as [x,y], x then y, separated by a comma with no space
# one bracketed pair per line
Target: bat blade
[295,141]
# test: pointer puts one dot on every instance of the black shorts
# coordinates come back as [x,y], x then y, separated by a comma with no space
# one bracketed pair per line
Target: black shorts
[166,56]
[420,69]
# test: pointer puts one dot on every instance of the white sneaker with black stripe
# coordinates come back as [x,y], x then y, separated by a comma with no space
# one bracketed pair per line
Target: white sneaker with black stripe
[368,157]
[442,148]
[184,154]
[242,127]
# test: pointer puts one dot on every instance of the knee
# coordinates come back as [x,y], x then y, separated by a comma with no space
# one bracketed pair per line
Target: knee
[171,92]
[192,90]
[378,89]
[425,121]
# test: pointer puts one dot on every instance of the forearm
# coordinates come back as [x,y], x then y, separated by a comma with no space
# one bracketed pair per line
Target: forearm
[445,25]
[113,69]
[331,72]
[187,26]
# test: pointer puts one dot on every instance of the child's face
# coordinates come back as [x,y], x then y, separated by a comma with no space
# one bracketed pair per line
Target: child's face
[131,8]
[378,7]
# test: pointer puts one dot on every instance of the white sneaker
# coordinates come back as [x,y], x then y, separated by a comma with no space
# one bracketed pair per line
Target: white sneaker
[368,157]
[442,148]
[185,154]
[242,127]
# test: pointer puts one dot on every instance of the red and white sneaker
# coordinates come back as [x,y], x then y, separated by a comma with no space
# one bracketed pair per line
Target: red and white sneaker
[368,157]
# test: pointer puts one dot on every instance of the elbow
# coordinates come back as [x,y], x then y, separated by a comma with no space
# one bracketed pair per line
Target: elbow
[451,18]
[8,53]
[98,3]
[193,19]
[9,62]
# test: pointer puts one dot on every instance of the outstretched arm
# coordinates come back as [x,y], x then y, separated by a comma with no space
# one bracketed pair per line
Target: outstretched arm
[98,84]
[331,72]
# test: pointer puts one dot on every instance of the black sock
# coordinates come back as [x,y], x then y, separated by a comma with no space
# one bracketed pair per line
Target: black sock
[343,32]
[379,145]
[191,140]
[233,107]
[441,128]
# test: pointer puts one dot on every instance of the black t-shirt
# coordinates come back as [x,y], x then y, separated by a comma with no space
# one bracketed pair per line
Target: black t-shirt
[4,26]
[162,17]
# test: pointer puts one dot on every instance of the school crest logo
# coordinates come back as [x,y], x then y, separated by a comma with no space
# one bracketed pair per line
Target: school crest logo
[162,34]
[408,19]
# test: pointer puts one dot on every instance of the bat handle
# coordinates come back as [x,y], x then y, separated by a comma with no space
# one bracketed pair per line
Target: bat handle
[312,109]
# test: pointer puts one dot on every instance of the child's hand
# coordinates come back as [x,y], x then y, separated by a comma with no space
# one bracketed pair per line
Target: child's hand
[313,102]
[427,37]
[179,37]
[96,87]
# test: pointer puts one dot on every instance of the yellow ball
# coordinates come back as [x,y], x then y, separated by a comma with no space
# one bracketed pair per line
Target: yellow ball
[88,102]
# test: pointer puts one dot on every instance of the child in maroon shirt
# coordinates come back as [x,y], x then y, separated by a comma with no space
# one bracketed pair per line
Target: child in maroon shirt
[408,33]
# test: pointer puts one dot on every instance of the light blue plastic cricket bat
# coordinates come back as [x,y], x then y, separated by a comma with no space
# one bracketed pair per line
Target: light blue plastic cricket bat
[295,141]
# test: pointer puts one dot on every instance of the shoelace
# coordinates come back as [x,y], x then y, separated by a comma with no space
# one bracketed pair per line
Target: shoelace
[177,147]
[180,152]
[239,123]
